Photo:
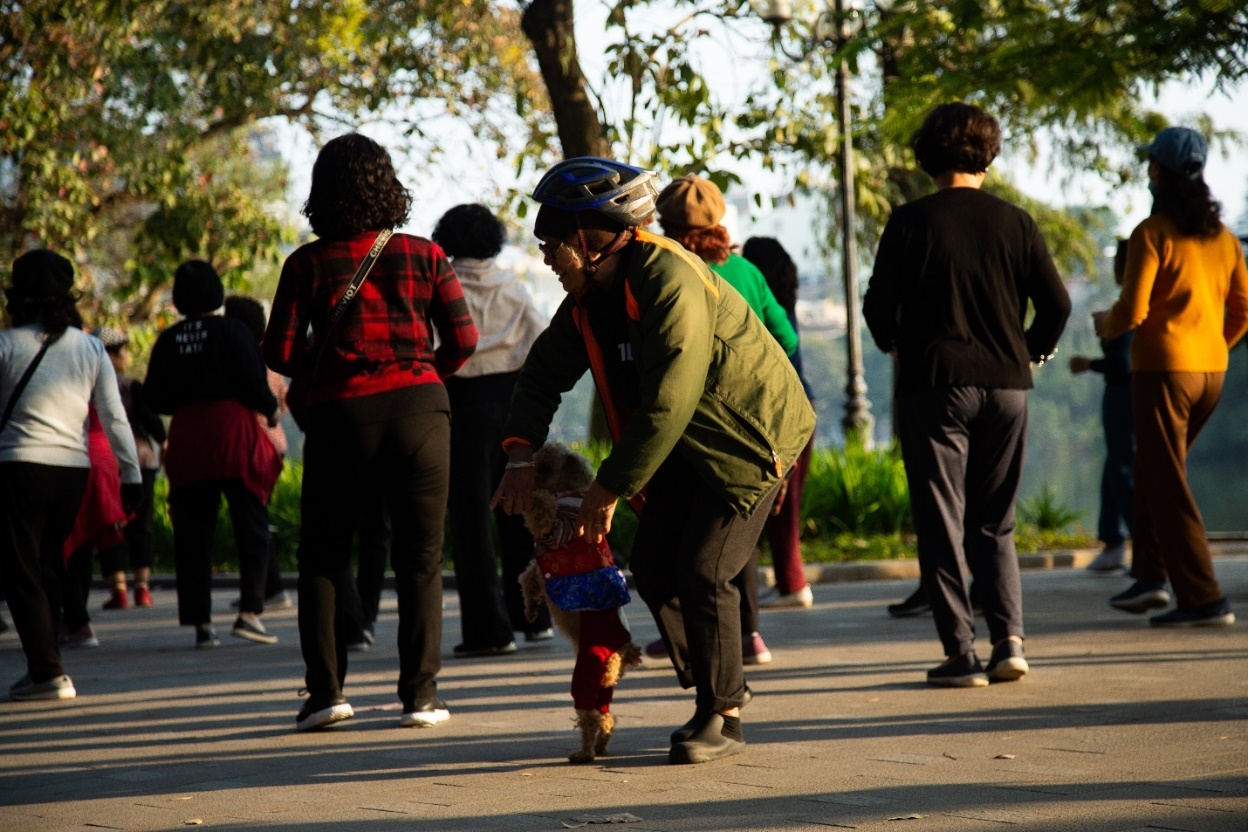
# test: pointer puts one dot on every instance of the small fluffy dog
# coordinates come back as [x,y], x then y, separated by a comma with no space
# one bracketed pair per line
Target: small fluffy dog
[584,589]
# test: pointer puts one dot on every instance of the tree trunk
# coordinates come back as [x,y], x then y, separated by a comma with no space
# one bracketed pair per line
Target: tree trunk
[548,25]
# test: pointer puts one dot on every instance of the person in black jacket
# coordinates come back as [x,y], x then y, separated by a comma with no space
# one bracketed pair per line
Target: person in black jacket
[207,372]
[953,277]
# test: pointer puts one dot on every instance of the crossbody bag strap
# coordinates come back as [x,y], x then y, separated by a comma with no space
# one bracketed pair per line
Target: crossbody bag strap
[353,288]
[22,382]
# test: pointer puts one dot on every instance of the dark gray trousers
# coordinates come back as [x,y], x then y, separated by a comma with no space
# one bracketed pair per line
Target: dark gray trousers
[963,449]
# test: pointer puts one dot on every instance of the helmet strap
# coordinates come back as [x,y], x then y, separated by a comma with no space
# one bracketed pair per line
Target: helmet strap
[593,261]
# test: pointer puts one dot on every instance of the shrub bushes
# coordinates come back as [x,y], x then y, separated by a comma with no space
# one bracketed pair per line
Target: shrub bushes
[855,506]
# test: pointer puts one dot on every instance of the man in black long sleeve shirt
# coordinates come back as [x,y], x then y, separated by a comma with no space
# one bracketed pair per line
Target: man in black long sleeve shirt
[949,295]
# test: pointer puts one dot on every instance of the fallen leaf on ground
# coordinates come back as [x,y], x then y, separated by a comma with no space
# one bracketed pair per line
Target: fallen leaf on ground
[906,817]
[1004,757]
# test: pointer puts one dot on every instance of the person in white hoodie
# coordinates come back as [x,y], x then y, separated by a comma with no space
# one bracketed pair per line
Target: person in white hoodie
[50,373]
[480,393]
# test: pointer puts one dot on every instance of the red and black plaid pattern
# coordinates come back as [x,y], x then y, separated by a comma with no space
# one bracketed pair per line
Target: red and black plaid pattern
[384,340]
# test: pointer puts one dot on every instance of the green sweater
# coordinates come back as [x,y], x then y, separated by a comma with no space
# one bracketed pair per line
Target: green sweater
[745,277]
[682,366]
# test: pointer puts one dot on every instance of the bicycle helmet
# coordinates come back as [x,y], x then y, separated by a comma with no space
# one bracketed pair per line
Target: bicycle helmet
[586,183]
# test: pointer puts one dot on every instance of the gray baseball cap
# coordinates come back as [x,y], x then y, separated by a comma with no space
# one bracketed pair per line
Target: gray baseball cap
[1180,150]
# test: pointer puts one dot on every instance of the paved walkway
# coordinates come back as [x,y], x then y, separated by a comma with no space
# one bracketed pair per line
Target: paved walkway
[1118,727]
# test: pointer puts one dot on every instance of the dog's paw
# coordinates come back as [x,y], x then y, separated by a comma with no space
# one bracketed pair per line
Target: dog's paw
[581,756]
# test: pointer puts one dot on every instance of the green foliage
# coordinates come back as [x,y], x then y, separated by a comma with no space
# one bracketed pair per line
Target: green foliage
[133,135]
[1046,512]
[855,490]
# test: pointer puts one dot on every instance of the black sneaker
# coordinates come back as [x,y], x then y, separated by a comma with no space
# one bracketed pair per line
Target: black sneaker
[539,635]
[426,713]
[963,671]
[684,732]
[463,651]
[1141,597]
[252,631]
[320,713]
[206,637]
[913,606]
[1216,614]
[1007,663]
[707,743]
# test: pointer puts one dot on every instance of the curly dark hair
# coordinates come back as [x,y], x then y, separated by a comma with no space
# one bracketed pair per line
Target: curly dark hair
[355,189]
[247,311]
[770,258]
[1188,203]
[712,244]
[470,230]
[956,137]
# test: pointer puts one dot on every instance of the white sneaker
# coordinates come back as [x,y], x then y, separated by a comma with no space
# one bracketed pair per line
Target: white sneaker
[311,717]
[25,690]
[1110,561]
[426,714]
[804,597]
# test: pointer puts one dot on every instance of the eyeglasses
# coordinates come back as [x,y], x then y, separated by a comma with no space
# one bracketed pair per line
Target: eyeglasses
[549,249]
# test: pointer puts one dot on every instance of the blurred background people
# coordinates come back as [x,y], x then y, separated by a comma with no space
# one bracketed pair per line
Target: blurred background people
[480,394]
[250,313]
[784,528]
[207,373]
[1117,482]
[50,374]
[149,438]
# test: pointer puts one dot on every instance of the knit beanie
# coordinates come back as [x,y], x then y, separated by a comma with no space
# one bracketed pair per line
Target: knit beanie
[41,273]
[690,202]
[197,288]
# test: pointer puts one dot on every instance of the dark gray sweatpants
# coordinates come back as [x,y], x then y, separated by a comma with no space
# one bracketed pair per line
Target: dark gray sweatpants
[963,450]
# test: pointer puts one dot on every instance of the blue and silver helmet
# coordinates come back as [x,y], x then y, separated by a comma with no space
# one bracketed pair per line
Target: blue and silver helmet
[587,183]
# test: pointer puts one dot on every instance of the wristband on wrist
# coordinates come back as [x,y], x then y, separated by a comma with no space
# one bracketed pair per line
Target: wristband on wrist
[513,465]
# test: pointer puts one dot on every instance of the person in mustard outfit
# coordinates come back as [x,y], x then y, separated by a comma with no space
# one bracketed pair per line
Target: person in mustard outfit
[1185,294]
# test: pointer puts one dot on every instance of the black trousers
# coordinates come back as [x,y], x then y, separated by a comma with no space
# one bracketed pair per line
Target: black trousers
[689,547]
[75,588]
[38,504]
[479,409]
[963,449]
[193,510]
[1117,477]
[361,598]
[139,546]
[407,455]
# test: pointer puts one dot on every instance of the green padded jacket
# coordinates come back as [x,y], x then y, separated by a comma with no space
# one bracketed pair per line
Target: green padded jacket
[705,378]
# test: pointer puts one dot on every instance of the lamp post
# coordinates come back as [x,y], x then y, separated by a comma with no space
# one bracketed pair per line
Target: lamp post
[844,17]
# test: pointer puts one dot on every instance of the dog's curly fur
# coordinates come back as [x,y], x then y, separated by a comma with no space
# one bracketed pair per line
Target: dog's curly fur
[559,471]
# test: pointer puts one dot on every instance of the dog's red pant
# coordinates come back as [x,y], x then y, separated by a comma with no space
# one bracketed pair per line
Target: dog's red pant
[602,633]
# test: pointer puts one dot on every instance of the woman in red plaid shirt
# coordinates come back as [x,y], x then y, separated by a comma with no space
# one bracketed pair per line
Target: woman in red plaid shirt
[369,396]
